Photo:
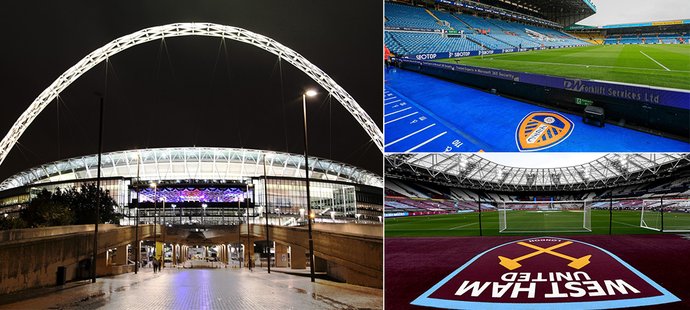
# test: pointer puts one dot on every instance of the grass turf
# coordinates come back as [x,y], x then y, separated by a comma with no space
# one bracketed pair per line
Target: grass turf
[467,224]
[636,64]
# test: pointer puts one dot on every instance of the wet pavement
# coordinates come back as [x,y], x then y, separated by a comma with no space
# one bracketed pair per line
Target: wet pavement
[223,288]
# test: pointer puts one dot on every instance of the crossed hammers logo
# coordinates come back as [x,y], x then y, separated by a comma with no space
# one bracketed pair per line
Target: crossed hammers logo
[513,263]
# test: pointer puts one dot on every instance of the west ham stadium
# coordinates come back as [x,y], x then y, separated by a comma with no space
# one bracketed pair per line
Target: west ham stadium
[479,231]
[521,76]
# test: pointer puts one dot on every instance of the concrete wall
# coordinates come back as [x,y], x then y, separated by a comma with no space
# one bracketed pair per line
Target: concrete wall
[34,262]
[353,258]
[29,233]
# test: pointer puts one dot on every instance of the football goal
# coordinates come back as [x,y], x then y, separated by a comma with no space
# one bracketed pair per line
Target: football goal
[544,216]
[665,215]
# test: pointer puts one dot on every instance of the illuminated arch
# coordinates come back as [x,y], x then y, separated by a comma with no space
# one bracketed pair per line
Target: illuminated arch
[188,29]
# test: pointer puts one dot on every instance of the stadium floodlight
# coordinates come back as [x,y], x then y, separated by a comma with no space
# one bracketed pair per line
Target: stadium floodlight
[188,29]
[311,93]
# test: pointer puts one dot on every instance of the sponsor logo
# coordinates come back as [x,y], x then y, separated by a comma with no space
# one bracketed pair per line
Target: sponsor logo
[545,273]
[460,54]
[542,130]
[425,56]
[486,52]
[509,50]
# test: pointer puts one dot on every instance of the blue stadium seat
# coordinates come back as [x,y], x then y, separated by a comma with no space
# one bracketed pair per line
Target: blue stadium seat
[500,34]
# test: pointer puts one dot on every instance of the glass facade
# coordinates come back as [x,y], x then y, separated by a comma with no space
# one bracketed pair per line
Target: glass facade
[330,202]
[288,197]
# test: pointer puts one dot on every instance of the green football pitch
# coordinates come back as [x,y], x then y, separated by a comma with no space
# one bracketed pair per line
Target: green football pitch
[530,223]
[655,65]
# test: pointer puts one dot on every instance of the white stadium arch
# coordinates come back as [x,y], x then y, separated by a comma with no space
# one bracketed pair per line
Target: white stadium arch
[188,29]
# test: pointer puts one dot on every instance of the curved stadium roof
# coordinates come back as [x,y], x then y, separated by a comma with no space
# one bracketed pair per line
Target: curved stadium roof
[192,163]
[475,171]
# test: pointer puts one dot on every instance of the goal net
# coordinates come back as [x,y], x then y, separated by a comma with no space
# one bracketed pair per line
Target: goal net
[544,216]
[665,215]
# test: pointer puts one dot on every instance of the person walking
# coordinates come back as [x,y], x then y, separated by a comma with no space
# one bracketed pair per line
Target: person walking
[155,265]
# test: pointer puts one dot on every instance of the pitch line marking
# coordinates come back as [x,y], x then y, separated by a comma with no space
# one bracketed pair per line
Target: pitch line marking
[658,63]
[398,111]
[581,65]
[425,142]
[410,135]
[399,118]
[392,102]
[456,227]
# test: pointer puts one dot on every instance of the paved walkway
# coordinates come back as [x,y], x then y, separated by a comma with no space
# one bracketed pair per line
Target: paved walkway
[205,289]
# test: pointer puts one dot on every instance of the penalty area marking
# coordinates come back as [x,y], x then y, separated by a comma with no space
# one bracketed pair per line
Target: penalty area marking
[658,63]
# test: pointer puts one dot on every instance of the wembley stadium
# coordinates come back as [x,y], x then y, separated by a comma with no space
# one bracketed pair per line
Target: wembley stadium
[447,215]
[468,76]
[209,186]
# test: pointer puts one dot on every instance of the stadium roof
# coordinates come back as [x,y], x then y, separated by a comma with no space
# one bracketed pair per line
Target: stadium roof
[564,12]
[649,24]
[192,163]
[475,171]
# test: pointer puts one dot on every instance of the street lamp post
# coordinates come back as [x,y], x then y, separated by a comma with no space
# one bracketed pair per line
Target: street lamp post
[155,214]
[310,93]
[268,238]
[98,192]
[249,241]
[240,258]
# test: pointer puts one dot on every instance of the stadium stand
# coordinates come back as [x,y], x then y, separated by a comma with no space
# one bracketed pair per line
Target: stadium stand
[592,37]
[417,30]
[662,32]
[418,196]
[405,16]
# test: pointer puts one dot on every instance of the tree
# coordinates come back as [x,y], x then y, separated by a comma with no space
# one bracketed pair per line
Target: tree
[82,202]
[72,206]
[47,209]
[11,223]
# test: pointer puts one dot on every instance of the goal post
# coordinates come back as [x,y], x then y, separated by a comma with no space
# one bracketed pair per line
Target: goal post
[545,216]
[665,214]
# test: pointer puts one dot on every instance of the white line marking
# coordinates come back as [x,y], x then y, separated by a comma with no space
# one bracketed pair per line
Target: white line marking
[579,65]
[392,102]
[617,222]
[399,118]
[398,111]
[410,135]
[667,69]
[425,142]
[462,226]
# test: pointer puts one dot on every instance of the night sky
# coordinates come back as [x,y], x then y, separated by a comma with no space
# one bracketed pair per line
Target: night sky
[190,91]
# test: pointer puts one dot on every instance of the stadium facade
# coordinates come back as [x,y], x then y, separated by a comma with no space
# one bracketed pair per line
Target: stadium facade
[199,185]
